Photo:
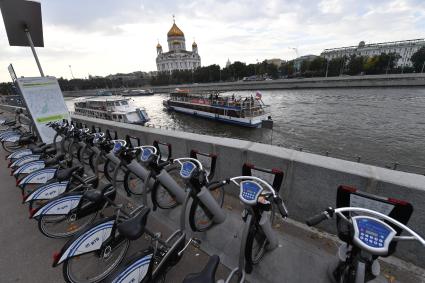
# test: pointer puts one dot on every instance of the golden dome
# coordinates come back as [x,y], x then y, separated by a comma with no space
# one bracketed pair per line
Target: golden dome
[194,44]
[175,31]
[158,45]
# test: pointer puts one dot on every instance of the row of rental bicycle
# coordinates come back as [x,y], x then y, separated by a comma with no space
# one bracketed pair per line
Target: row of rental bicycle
[70,184]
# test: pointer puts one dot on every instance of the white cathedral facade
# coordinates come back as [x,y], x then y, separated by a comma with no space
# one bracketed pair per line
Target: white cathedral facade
[177,58]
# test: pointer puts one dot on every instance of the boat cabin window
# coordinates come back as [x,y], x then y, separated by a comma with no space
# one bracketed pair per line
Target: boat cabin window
[114,116]
[117,103]
[124,103]
[109,103]
[119,117]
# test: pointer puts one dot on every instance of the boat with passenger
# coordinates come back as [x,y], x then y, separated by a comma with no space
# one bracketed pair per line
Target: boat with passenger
[248,111]
[114,108]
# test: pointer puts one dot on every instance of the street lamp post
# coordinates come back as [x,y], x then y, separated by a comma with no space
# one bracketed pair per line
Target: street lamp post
[72,75]
[388,65]
[327,67]
[423,65]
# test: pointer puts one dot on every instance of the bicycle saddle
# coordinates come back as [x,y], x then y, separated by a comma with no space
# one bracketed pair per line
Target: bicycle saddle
[65,174]
[207,275]
[26,139]
[134,227]
[35,145]
[97,195]
[40,149]
[9,123]
[54,160]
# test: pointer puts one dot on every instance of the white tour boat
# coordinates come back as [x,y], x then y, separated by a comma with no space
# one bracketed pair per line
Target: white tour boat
[114,108]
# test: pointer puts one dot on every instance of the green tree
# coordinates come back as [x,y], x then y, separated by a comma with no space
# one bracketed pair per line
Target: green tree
[287,69]
[355,65]
[240,70]
[318,66]
[305,66]
[381,64]
[336,66]
[418,59]
[7,88]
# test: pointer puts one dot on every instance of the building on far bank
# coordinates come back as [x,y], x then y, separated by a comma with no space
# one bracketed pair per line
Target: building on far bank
[177,58]
[298,61]
[405,49]
[275,61]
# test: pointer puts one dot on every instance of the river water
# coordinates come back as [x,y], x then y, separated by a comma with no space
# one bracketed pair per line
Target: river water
[380,125]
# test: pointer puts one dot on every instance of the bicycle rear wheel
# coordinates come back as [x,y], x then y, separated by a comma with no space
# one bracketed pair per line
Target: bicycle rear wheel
[11,146]
[94,266]
[63,226]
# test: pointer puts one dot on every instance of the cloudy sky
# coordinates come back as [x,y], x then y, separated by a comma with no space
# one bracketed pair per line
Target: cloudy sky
[100,37]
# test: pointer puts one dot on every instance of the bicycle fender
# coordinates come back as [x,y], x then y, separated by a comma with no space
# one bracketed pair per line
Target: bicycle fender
[59,206]
[11,138]
[30,167]
[7,134]
[89,240]
[24,159]
[19,153]
[136,270]
[48,191]
[38,177]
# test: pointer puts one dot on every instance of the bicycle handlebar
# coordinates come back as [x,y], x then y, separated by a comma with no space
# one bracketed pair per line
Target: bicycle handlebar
[269,188]
[316,219]
[281,206]
[327,214]
[219,184]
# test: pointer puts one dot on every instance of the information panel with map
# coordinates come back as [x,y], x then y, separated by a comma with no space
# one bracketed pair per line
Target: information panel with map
[44,100]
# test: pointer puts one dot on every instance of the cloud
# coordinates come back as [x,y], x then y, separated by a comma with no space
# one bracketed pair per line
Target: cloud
[109,36]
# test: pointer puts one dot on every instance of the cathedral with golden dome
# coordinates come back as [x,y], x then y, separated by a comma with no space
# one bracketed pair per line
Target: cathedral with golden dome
[177,57]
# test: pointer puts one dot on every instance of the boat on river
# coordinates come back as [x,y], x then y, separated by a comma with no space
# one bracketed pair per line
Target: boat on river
[249,111]
[114,108]
[137,92]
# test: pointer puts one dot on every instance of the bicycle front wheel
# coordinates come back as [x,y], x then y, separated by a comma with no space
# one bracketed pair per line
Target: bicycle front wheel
[108,169]
[200,218]
[256,244]
[133,184]
[162,197]
[74,150]
[94,266]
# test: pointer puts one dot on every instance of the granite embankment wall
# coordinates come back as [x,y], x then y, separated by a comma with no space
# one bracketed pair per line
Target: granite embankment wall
[310,180]
[394,80]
